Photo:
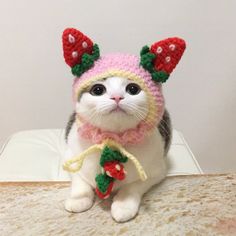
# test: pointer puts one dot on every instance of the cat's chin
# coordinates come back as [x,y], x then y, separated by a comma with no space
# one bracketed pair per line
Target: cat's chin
[116,121]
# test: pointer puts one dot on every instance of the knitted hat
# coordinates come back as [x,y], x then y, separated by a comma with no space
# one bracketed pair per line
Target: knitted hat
[152,68]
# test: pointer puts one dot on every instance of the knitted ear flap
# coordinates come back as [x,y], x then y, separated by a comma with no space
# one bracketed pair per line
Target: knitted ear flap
[79,51]
[162,57]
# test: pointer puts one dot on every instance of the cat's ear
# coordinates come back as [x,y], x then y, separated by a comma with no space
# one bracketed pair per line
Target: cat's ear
[79,51]
[162,57]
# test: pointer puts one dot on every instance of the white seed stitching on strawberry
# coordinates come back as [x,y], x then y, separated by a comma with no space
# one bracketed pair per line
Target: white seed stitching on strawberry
[84,44]
[159,50]
[108,173]
[118,167]
[167,59]
[74,54]
[172,47]
[71,38]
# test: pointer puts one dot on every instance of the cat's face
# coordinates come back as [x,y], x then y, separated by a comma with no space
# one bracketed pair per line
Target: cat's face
[113,104]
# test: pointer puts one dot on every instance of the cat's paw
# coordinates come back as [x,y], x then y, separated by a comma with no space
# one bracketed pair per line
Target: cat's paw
[78,204]
[124,211]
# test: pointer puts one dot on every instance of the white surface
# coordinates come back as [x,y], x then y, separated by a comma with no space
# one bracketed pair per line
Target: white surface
[37,155]
[35,83]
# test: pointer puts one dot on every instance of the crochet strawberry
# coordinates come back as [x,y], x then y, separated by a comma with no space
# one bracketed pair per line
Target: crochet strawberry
[104,186]
[168,53]
[79,51]
[162,57]
[75,44]
[114,169]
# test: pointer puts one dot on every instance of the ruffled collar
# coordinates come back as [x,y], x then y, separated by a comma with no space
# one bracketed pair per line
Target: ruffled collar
[130,136]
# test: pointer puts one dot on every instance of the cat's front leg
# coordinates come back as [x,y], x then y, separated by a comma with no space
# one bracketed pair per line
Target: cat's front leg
[81,195]
[126,202]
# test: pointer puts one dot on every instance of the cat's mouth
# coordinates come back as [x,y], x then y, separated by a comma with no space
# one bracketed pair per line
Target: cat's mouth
[118,109]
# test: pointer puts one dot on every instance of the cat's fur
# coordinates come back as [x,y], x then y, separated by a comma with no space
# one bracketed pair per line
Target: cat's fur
[150,152]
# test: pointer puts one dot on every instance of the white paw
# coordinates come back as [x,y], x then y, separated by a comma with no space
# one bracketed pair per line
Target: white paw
[124,211]
[78,204]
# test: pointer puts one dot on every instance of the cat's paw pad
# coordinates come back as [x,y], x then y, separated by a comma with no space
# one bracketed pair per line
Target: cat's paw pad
[78,204]
[123,211]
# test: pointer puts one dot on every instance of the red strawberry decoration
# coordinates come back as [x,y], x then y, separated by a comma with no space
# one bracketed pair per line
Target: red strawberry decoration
[75,44]
[168,53]
[114,169]
[162,57]
[105,195]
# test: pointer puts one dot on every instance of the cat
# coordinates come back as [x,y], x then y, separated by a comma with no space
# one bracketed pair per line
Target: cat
[116,104]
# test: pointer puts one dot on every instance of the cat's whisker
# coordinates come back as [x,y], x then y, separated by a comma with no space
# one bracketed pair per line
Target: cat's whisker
[164,129]
[104,107]
[139,116]
[97,116]
[91,113]
[137,108]
[165,122]
[139,112]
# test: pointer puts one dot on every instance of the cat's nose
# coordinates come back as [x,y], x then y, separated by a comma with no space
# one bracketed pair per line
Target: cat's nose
[117,98]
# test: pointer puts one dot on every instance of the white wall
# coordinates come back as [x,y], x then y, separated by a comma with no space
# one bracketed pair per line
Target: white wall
[35,83]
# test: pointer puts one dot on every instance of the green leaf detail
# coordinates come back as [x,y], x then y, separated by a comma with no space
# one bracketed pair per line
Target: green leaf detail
[96,52]
[103,182]
[160,76]
[87,61]
[111,155]
[146,62]
[144,50]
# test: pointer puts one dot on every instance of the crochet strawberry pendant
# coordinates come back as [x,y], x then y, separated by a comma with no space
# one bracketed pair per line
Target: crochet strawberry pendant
[79,51]
[163,56]
[113,169]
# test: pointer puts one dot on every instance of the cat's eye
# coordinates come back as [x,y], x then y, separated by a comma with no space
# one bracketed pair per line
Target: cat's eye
[97,90]
[133,89]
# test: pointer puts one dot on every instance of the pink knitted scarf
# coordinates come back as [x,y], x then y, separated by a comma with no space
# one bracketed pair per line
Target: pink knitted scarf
[130,136]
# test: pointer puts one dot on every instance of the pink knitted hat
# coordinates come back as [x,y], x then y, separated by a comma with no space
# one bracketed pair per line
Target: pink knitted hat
[149,71]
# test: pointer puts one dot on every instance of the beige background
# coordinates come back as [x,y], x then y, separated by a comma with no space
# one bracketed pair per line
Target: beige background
[35,84]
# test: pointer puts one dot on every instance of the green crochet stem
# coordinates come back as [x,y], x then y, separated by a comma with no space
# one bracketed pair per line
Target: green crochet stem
[87,61]
[146,62]
[111,155]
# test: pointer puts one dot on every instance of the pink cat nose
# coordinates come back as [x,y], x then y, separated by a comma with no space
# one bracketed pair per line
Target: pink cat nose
[117,98]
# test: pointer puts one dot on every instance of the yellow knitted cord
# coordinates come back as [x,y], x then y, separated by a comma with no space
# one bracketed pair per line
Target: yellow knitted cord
[68,165]
[78,161]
